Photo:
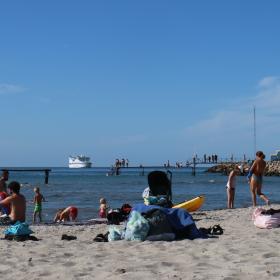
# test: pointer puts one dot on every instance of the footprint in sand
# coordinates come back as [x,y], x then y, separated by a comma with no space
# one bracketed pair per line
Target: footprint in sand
[270,255]
[69,264]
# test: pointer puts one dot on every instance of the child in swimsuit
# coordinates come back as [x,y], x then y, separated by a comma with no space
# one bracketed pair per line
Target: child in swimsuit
[38,198]
[103,208]
[231,187]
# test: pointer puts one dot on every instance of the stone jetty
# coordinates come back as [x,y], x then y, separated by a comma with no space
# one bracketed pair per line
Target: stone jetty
[272,168]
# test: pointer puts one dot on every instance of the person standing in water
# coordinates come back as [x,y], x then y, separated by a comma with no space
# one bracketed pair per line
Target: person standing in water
[255,178]
[37,200]
[231,187]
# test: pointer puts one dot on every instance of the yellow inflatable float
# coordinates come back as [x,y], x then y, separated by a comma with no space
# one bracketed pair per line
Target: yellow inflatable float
[191,205]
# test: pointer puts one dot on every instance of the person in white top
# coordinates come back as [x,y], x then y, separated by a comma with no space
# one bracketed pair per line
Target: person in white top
[231,187]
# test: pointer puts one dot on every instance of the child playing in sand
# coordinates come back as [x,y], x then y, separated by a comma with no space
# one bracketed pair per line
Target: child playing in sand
[231,187]
[66,214]
[38,198]
[103,208]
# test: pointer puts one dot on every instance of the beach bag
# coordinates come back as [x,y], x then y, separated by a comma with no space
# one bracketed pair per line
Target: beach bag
[158,222]
[137,227]
[160,228]
[265,221]
[18,229]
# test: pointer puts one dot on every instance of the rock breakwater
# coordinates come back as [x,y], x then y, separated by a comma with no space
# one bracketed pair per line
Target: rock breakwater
[272,168]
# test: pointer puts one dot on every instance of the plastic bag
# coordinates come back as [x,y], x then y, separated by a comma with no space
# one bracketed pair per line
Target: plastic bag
[137,227]
[115,234]
[265,221]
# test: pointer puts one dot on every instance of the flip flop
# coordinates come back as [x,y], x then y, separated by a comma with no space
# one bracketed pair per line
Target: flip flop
[68,237]
[101,238]
[216,230]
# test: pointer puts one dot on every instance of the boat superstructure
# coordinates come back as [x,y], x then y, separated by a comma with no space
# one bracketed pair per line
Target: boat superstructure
[80,161]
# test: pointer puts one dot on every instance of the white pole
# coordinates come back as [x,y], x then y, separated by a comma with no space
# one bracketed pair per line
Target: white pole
[255,134]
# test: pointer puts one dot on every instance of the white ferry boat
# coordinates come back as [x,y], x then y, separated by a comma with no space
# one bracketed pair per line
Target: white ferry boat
[79,162]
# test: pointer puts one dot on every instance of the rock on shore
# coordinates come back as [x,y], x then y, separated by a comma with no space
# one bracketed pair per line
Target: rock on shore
[272,168]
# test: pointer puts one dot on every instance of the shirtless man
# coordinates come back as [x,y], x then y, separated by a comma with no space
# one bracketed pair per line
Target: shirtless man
[255,178]
[3,180]
[17,203]
[66,214]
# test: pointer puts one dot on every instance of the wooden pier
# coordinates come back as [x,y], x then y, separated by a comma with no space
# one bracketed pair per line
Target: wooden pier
[45,170]
[191,164]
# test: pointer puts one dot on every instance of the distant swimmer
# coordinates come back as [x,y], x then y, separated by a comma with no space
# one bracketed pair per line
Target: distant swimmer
[66,214]
[255,178]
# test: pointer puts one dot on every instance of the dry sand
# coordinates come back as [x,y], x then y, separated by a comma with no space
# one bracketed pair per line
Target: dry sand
[242,252]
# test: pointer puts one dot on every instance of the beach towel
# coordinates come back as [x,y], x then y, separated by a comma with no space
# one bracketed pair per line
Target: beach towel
[265,221]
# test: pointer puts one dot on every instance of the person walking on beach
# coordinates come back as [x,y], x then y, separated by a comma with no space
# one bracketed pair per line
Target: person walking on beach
[17,203]
[3,181]
[231,187]
[255,178]
[38,198]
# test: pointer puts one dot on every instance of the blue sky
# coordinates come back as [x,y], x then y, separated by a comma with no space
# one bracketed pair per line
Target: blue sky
[144,80]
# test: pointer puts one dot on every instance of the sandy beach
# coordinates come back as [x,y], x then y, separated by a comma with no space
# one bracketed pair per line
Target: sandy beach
[242,252]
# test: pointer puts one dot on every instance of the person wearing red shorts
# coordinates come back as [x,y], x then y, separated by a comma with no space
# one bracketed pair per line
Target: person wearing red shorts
[66,214]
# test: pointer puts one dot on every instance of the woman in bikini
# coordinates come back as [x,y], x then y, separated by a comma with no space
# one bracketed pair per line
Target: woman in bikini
[255,178]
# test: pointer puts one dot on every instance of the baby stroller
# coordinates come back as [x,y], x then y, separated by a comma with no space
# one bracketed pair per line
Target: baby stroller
[160,191]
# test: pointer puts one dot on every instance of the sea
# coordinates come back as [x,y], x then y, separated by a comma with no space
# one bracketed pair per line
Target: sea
[84,187]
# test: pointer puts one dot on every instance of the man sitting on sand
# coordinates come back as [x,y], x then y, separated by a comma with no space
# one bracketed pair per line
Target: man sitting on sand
[66,214]
[255,178]
[17,203]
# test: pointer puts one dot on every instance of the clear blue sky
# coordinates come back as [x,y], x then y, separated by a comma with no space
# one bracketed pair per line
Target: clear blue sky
[144,80]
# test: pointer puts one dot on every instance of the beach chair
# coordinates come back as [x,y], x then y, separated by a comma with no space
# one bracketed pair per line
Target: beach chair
[160,185]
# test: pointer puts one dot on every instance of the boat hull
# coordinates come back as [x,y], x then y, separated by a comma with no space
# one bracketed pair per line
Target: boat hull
[80,165]
[191,205]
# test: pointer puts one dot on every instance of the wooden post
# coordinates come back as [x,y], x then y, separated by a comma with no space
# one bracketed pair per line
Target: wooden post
[117,171]
[194,163]
[46,176]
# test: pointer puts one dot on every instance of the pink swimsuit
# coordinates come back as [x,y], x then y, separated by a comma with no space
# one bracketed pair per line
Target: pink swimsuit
[102,213]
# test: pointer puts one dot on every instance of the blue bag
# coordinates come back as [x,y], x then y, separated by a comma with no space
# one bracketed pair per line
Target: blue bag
[18,229]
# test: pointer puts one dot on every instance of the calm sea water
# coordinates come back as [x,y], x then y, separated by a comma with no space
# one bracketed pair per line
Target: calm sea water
[84,187]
